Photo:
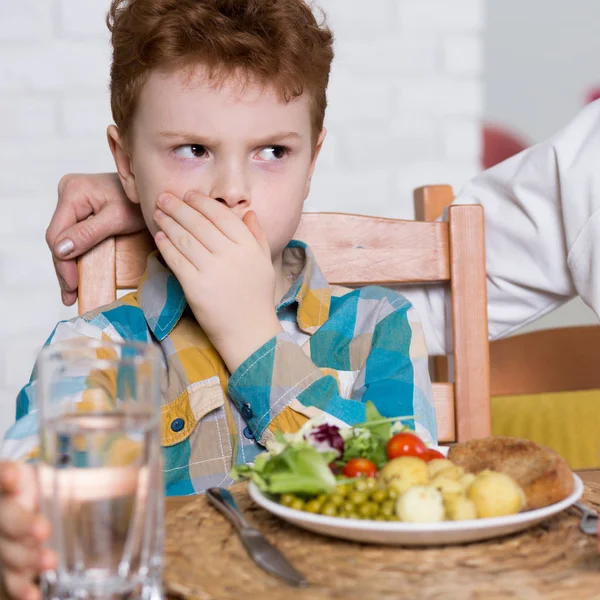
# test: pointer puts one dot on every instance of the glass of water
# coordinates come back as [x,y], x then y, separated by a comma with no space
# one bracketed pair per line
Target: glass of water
[100,468]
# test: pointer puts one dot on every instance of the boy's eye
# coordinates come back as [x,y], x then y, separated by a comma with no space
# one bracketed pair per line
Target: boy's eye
[191,151]
[272,153]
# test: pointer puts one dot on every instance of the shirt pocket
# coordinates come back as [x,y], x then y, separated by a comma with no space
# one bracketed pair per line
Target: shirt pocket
[180,417]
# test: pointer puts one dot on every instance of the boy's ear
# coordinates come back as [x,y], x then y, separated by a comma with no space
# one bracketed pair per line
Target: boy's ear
[123,163]
[313,164]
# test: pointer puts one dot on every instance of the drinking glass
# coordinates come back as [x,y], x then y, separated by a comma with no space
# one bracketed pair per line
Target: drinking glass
[100,468]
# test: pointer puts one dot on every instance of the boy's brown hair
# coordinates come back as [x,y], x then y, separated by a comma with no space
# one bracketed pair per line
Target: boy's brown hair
[271,41]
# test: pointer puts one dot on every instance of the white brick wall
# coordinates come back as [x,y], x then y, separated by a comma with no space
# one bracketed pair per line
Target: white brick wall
[405,102]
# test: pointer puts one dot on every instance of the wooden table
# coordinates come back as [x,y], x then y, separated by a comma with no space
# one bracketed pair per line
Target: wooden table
[205,560]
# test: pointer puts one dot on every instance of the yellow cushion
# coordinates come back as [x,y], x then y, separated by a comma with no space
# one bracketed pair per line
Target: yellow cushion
[567,422]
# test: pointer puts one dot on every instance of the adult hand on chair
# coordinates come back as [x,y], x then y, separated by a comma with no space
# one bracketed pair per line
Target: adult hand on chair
[90,209]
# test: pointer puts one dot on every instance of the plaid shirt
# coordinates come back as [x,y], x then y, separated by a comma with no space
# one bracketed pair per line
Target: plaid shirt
[339,348]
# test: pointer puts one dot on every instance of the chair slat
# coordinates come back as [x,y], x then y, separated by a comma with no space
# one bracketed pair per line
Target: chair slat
[431,200]
[544,362]
[95,290]
[350,249]
[360,250]
[132,256]
[469,322]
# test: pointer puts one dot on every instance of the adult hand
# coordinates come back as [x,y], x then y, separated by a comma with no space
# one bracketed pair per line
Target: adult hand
[90,209]
[22,532]
[224,266]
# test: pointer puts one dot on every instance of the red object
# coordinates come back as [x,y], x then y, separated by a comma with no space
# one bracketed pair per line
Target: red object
[499,144]
[592,95]
[431,454]
[405,444]
[356,467]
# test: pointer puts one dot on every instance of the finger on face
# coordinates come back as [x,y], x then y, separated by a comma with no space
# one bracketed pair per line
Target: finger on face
[191,248]
[201,228]
[251,221]
[219,214]
[177,262]
[20,586]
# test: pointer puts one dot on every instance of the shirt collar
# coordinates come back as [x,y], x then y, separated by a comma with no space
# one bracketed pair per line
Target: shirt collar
[163,302]
[310,290]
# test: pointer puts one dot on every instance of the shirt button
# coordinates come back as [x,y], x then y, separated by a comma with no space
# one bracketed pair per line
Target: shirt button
[247,412]
[177,425]
[248,433]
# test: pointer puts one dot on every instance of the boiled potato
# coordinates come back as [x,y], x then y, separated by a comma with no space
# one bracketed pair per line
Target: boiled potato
[438,464]
[420,504]
[445,484]
[404,472]
[496,495]
[459,507]
[454,472]
[466,480]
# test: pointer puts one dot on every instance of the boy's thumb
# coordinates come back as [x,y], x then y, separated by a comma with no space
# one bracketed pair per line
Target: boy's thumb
[251,221]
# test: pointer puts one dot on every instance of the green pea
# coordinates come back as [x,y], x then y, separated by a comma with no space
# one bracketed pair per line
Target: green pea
[387,509]
[347,507]
[297,504]
[287,499]
[380,495]
[371,483]
[358,497]
[361,485]
[379,518]
[343,489]
[352,515]
[368,510]
[313,506]
[393,493]
[336,499]
[329,510]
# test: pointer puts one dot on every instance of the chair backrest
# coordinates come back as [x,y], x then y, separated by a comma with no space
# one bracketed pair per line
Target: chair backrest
[361,250]
[548,361]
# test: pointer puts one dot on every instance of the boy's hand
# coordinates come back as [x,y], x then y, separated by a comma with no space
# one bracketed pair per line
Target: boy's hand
[225,268]
[22,531]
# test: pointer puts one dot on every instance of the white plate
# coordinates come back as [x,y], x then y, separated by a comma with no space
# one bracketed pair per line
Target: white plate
[415,534]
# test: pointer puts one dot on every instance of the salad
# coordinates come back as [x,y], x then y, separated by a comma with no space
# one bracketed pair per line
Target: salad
[379,470]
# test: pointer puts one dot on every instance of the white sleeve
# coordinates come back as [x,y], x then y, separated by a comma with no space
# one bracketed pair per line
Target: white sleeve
[542,232]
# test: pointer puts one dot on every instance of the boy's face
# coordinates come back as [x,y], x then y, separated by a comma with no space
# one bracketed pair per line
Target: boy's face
[240,145]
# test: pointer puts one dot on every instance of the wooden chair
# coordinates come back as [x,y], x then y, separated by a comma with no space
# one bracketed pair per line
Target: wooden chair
[541,362]
[360,250]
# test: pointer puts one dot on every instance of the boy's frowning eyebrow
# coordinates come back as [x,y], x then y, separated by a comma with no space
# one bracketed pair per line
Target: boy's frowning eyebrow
[185,137]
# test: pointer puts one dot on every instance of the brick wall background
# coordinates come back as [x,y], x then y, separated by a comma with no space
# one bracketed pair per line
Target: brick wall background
[405,104]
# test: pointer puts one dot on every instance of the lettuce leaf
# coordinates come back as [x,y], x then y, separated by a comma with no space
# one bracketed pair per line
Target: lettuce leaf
[381,430]
[295,470]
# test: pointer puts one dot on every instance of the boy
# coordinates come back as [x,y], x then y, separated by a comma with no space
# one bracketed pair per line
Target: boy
[227,97]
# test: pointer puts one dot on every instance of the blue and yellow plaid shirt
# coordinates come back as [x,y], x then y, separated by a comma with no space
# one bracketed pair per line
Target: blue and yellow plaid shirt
[339,348]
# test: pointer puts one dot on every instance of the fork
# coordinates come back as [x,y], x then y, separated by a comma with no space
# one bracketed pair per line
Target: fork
[589,520]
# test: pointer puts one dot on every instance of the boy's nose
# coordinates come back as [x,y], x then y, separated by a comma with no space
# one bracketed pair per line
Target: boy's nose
[231,190]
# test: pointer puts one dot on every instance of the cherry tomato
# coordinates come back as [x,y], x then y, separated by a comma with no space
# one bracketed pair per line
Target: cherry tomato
[431,454]
[405,444]
[360,466]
